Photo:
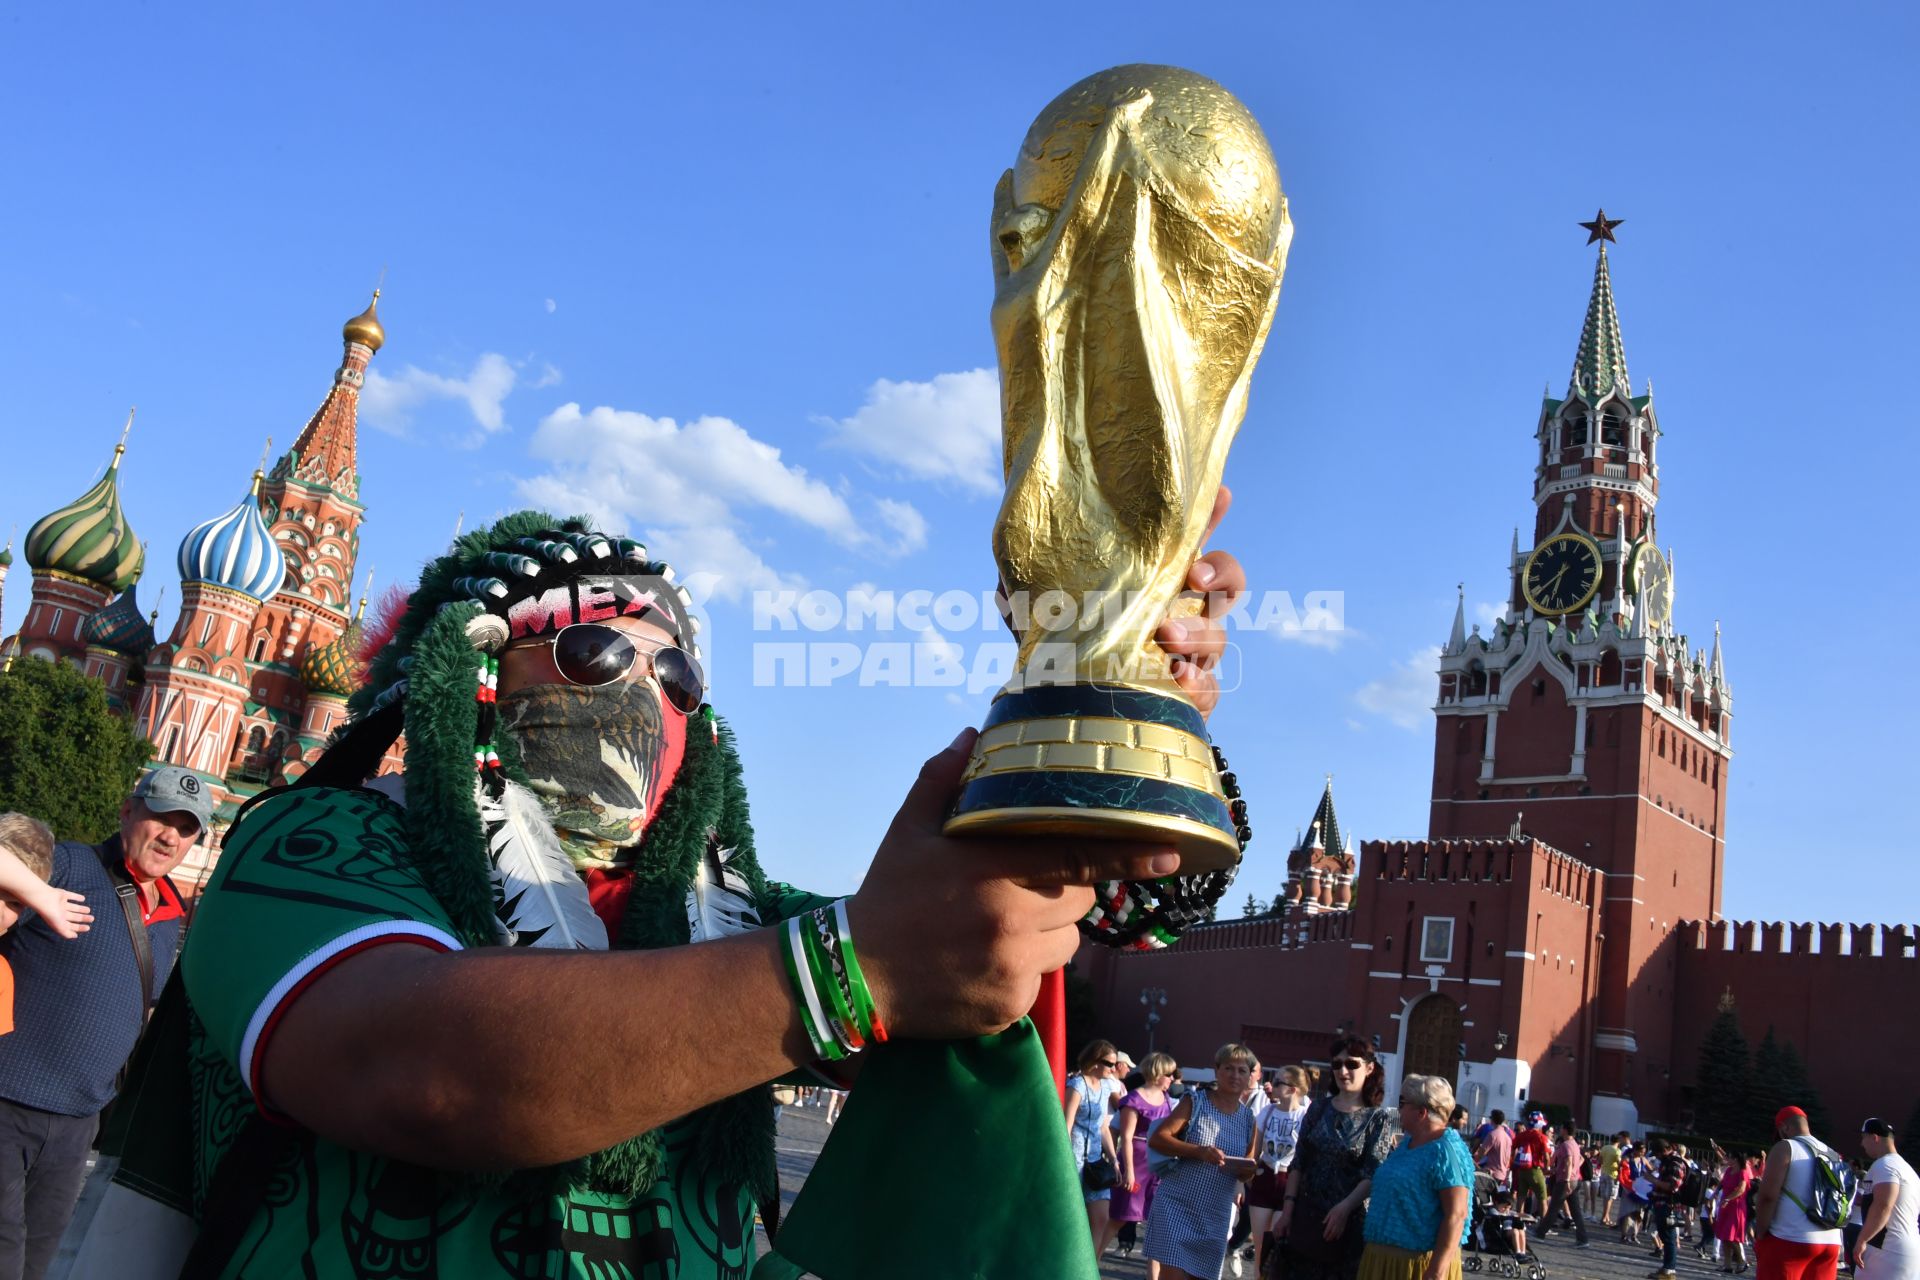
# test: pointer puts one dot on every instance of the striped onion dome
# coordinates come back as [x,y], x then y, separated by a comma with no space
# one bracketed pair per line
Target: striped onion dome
[121,626]
[89,538]
[335,668]
[235,551]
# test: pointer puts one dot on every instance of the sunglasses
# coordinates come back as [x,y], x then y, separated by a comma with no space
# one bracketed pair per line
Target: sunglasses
[1349,1064]
[1108,1063]
[592,654]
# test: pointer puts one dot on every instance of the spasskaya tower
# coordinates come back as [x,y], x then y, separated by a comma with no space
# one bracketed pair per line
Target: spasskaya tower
[1586,719]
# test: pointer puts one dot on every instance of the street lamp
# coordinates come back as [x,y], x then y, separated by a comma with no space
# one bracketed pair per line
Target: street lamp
[1155,998]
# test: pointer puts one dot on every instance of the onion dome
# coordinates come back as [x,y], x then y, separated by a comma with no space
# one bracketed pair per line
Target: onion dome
[89,538]
[235,551]
[335,668]
[121,626]
[365,328]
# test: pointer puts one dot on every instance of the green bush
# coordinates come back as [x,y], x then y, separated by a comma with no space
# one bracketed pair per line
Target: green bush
[66,757]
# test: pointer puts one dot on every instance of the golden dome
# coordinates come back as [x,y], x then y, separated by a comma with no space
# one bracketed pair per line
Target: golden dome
[365,328]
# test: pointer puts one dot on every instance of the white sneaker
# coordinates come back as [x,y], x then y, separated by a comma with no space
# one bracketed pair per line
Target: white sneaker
[1233,1262]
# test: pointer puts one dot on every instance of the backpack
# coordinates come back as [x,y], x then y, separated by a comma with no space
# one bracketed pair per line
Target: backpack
[1692,1186]
[1833,1188]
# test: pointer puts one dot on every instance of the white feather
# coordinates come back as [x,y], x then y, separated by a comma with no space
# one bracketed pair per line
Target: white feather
[541,896]
[720,902]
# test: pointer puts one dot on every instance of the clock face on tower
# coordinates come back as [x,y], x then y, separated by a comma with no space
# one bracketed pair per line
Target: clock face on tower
[1651,572]
[1562,574]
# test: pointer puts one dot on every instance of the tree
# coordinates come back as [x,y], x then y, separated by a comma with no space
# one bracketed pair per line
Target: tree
[1720,1088]
[1252,908]
[1279,907]
[66,757]
[1766,1093]
[1798,1086]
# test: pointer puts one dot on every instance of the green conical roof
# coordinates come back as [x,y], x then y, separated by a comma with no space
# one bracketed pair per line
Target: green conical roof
[89,537]
[1600,366]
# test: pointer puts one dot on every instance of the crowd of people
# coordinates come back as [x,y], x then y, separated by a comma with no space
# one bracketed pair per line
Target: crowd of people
[1307,1175]
[1302,1173]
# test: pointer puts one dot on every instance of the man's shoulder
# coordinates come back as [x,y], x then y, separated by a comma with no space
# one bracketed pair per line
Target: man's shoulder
[77,865]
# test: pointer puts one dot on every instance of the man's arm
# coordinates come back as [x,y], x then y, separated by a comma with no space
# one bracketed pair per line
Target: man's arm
[512,1058]
[1767,1199]
[1879,1214]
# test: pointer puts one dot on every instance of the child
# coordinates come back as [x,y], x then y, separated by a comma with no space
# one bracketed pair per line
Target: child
[26,859]
[1503,1217]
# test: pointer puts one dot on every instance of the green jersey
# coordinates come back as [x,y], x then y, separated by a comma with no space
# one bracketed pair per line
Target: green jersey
[312,877]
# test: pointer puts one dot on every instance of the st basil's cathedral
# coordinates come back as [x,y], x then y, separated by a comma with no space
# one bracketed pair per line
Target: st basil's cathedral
[255,674]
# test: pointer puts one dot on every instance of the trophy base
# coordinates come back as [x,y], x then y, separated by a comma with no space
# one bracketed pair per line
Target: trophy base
[1101,762]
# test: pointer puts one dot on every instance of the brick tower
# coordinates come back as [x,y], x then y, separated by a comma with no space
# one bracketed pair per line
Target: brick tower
[1585,720]
[265,586]
[198,681]
[311,502]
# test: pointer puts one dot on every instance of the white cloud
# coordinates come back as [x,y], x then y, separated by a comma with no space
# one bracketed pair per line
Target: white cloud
[946,429]
[1405,695]
[389,402]
[552,306]
[1489,613]
[690,486]
[549,376]
[1328,638]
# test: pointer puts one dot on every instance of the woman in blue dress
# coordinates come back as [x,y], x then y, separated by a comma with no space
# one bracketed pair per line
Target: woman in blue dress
[1417,1213]
[1213,1137]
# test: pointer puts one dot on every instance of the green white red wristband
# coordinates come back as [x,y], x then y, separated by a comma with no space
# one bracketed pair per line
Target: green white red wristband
[836,1004]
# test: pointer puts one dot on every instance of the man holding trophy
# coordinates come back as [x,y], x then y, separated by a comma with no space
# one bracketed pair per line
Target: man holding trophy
[432,1081]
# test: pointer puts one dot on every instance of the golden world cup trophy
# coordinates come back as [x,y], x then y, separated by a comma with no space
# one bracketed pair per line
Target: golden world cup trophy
[1138,246]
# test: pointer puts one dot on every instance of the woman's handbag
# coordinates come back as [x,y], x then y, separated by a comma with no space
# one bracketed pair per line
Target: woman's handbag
[1097,1175]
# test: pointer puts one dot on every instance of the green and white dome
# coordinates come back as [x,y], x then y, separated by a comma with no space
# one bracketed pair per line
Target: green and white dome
[89,538]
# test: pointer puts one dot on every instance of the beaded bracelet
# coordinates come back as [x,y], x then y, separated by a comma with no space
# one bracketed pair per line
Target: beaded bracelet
[836,1005]
[1150,915]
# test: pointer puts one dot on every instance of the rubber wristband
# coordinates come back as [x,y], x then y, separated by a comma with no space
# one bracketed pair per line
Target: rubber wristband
[827,980]
[800,996]
[863,1004]
[811,1014]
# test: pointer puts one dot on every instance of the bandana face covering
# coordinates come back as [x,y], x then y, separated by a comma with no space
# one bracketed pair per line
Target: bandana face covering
[600,759]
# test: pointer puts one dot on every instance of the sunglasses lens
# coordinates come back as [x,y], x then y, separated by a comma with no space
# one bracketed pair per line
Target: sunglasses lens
[592,655]
[680,680]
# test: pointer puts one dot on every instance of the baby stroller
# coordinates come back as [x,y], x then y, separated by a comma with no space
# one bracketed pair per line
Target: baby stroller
[1489,1247]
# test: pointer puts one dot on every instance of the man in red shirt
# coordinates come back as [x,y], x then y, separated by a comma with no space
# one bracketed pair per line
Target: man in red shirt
[1531,1155]
[1564,1178]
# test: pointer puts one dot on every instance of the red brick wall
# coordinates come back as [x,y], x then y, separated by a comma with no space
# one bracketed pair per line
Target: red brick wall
[1850,1016]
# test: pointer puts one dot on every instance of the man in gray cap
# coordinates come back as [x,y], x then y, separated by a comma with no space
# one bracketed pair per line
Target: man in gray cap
[79,1006]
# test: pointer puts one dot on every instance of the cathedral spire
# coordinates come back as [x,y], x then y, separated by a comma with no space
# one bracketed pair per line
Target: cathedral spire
[1457,638]
[325,454]
[1600,365]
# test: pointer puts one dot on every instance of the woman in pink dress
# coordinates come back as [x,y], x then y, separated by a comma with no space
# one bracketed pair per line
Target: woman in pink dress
[1138,1112]
[1730,1224]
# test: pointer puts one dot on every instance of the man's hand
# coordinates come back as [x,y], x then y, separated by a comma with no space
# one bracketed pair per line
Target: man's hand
[1196,643]
[953,935]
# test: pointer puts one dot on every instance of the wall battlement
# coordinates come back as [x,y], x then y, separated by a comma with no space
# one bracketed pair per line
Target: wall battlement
[1294,929]
[1483,861]
[1787,938]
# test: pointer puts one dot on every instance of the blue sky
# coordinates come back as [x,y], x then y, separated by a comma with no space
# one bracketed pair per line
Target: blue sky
[754,240]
